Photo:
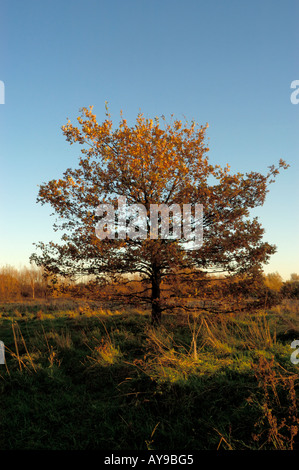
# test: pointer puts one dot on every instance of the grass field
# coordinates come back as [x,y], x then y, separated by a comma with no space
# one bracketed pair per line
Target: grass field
[78,376]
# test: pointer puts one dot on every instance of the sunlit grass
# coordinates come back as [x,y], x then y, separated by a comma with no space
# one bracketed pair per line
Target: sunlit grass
[194,382]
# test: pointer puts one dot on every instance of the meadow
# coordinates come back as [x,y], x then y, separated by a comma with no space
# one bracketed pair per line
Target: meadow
[81,375]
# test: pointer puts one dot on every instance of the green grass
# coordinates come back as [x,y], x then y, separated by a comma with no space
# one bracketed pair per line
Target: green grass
[79,376]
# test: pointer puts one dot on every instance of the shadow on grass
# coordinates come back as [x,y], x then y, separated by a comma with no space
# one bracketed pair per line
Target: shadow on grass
[105,382]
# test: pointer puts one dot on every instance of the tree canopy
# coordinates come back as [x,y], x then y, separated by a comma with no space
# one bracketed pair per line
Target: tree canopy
[152,162]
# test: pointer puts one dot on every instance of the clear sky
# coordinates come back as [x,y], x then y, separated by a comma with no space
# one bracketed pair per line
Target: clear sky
[229,63]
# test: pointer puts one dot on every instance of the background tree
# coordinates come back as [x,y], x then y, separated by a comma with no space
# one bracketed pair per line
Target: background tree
[9,284]
[294,277]
[31,281]
[273,281]
[17,284]
[152,163]
[290,288]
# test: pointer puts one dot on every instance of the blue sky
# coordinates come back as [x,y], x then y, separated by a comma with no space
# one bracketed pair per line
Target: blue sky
[229,63]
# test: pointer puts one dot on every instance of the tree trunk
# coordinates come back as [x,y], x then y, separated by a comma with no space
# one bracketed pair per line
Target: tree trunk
[156,298]
[33,289]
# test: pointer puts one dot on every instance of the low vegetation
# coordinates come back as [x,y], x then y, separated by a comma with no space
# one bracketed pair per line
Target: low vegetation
[79,375]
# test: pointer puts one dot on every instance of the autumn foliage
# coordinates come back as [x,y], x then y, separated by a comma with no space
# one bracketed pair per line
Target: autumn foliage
[153,162]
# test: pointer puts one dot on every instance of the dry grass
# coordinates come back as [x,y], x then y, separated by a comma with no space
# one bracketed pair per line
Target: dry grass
[204,380]
[278,424]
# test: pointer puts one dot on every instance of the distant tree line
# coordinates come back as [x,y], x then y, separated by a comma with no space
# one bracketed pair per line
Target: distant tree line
[27,283]
[30,283]
[21,283]
[287,289]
